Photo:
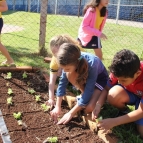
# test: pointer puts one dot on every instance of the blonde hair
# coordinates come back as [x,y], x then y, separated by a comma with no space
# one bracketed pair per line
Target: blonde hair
[58,40]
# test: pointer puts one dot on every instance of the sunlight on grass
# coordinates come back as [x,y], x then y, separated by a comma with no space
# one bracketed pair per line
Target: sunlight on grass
[24,46]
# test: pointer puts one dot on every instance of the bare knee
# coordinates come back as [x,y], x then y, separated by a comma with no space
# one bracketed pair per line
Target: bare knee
[118,97]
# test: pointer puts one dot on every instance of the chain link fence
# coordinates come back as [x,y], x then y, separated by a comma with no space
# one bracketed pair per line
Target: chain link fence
[23,32]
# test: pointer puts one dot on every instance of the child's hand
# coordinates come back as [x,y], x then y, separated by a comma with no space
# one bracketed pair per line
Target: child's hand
[55,113]
[50,103]
[66,118]
[106,124]
[103,36]
[96,111]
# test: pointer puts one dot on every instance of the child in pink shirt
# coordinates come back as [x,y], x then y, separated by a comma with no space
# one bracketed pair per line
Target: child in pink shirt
[90,31]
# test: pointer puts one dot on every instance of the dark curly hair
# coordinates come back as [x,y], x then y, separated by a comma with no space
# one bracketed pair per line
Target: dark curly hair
[70,54]
[93,4]
[125,64]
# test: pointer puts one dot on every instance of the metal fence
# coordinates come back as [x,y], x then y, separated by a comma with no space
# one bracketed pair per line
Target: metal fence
[22,27]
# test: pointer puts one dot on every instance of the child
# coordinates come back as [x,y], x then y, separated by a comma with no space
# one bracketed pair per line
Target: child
[126,87]
[90,31]
[55,71]
[9,61]
[83,70]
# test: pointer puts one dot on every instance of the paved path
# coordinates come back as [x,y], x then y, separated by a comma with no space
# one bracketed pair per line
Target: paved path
[127,23]
[11,28]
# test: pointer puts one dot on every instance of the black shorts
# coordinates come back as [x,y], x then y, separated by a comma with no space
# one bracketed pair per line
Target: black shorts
[1,24]
[94,43]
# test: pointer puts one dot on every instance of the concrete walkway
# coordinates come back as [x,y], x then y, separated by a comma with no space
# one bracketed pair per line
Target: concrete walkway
[11,28]
[127,23]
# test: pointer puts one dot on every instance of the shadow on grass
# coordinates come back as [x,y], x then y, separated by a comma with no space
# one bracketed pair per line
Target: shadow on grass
[26,57]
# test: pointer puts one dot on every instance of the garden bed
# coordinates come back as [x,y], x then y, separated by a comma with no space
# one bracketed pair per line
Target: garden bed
[36,124]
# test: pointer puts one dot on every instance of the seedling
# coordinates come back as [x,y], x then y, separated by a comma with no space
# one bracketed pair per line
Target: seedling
[45,107]
[99,119]
[38,98]
[31,91]
[10,91]
[17,116]
[51,140]
[8,76]
[9,101]
[24,75]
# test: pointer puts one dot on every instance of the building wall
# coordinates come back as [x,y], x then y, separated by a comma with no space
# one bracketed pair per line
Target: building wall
[71,7]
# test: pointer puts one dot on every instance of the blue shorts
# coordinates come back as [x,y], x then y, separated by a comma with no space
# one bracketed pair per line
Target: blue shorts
[134,100]
[101,81]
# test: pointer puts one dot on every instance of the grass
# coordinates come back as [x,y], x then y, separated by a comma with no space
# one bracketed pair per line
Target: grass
[23,47]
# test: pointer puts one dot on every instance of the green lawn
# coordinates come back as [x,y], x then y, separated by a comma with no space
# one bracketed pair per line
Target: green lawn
[23,46]
[26,41]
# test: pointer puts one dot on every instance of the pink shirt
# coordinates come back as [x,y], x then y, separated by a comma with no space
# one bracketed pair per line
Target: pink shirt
[86,29]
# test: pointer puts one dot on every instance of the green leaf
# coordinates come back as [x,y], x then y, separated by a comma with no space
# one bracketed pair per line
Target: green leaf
[52,139]
[24,75]
[8,76]
[31,91]
[38,98]
[99,119]
[45,107]
[9,100]
[10,91]
[17,116]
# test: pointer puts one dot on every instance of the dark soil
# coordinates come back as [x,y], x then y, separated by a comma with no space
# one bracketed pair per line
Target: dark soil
[37,124]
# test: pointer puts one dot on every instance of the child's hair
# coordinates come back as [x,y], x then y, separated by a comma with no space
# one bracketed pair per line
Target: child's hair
[125,64]
[58,40]
[93,4]
[69,54]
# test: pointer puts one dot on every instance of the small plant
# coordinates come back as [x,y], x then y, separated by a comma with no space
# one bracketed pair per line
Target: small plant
[24,75]
[31,91]
[38,98]
[9,100]
[10,91]
[9,75]
[51,140]
[45,107]
[17,116]
[99,119]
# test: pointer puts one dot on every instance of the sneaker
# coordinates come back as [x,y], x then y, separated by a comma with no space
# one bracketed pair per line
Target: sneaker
[123,112]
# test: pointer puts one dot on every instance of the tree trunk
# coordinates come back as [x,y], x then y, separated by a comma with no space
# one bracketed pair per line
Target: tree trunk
[43,20]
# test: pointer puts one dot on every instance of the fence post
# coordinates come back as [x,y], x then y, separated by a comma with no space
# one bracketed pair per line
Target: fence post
[38,6]
[29,5]
[56,6]
[14,5]
[118,11]
[43,20]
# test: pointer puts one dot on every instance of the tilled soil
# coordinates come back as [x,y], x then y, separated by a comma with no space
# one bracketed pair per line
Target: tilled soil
[37,124]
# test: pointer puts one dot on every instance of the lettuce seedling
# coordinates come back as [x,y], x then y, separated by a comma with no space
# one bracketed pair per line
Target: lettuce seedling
[17,116]
[24,75]
[9,75]
[9,101]
[10,91]
[52,139]
[37,97]
[45,107]
[99,119]
[31,91]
